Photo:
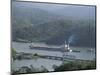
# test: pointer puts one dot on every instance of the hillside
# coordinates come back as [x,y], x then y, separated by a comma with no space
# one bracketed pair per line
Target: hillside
[39,25]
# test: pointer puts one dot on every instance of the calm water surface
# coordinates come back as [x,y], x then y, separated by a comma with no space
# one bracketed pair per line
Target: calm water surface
[47,63]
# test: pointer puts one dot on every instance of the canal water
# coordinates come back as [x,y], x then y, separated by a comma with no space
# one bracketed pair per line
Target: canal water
[84,54]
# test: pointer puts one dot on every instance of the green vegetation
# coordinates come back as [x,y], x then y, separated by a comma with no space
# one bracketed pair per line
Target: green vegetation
[76,65]
[30,69]
[68,66]
[22,55]
[35,56]
[56,32]
[13,53]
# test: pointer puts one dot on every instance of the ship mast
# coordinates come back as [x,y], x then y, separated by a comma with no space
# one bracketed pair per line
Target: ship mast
[66,50]
[64,53]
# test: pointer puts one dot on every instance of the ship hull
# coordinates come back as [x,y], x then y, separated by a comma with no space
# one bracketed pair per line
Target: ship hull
[46,48]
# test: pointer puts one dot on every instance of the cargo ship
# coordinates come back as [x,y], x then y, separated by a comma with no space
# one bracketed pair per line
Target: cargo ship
[61,48]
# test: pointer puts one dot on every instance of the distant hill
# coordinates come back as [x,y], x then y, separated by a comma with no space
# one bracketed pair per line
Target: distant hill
[35,24]
[76,11]
[28,15]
